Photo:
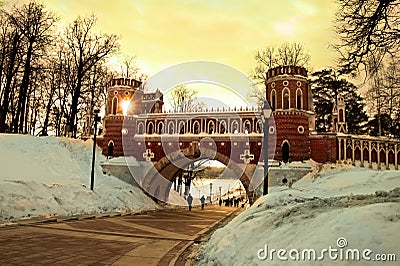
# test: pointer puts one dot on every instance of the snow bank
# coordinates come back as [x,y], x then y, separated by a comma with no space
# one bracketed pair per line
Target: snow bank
[337,204]
[50,176]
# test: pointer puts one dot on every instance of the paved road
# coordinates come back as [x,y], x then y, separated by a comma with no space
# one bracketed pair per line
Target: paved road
[152,238]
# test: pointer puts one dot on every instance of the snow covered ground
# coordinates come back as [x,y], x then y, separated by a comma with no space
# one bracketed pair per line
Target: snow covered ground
[50,176]
[346,210]
[341,209]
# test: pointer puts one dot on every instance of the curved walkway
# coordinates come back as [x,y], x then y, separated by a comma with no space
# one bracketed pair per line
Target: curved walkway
[152,238]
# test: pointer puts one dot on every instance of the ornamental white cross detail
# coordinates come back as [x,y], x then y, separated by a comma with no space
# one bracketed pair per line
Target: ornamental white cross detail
[148,155]
[246,156]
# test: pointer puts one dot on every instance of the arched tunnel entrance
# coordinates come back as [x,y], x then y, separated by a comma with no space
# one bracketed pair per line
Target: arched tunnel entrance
[160,180]
[209,179]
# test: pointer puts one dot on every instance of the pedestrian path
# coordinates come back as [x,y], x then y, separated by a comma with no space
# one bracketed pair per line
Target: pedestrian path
[153,238]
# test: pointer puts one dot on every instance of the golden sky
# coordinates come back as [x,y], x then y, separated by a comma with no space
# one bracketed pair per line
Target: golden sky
[162,33]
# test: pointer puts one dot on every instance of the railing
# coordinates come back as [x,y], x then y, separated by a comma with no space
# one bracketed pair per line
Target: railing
[369,151]
[215,110]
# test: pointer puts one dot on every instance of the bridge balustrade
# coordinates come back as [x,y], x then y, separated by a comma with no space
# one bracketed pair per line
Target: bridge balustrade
[228,122]
[373,152]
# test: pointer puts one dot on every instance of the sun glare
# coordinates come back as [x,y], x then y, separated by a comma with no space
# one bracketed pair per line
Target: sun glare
[285,28]
[125,107]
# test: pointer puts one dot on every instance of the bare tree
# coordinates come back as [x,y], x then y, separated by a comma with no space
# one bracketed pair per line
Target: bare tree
[384,92]
[87,50]
[35,25]
[288,54]
[129,68]
[366,27]
[52,79]
[184,99]
[11,39]
[292,54]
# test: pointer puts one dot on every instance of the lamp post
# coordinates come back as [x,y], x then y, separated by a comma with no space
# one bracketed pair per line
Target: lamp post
[96,119]
[265,115]
[210,192]
[220,192]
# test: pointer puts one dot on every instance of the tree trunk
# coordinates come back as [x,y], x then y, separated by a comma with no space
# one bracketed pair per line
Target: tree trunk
[7,88]
[74,108]
[19,121]
[48,110]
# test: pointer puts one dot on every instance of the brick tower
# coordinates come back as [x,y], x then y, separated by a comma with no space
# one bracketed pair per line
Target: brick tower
[125,100]
[289,96]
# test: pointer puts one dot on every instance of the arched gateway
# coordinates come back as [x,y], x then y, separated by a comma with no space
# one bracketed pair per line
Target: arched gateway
[165,170]
[162,156]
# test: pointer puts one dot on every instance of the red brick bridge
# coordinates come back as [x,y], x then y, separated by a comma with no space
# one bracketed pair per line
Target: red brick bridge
[162,143]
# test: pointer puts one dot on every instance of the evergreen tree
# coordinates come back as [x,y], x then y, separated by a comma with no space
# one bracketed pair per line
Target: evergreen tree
[385,122]
[326,86]
[395,128]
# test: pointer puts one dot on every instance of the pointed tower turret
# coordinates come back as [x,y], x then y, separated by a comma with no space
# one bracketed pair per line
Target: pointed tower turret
[339,114]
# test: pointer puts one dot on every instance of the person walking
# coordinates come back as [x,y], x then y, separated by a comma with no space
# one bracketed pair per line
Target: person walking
[202,199]
[190,200]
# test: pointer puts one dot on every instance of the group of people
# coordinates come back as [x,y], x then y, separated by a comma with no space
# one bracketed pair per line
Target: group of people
[229,202]
[190,201]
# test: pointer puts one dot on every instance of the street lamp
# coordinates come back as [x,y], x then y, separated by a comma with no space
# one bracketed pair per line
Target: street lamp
[210,192]
[96,119]
[265,115]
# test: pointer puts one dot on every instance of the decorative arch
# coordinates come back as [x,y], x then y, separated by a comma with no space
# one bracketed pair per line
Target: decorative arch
[259,127]
[341,115]
[374,155]
[110,149]
[391,157]
[349,151]
[234,127]
[181,127]
[211,127]
[196,127]
[285,98]
[273,99]
[171,127]
[382,156]
[285,151]
[114,105]
[222,127]
[366,155]
[342,145]
[150,128]
[160,128]
[140,128]
[247,126]
[168,170]
[299,99]
[357,153]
